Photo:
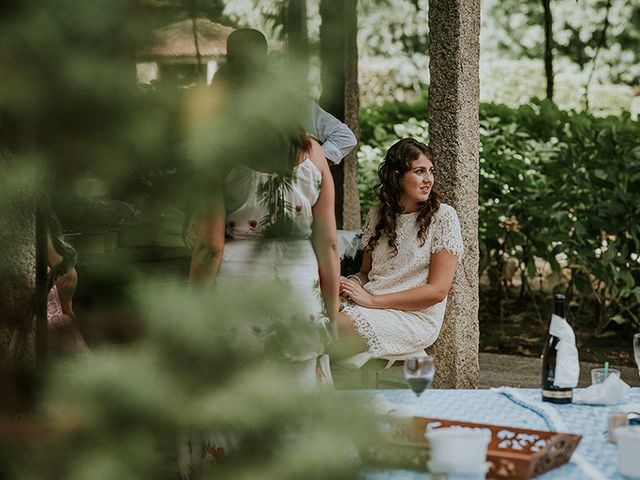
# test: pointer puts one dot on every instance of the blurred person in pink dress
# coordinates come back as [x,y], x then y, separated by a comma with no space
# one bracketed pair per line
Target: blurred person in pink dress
[63,337]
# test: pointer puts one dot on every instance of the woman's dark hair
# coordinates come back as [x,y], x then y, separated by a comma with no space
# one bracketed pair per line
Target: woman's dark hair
[396,163]
[297,141]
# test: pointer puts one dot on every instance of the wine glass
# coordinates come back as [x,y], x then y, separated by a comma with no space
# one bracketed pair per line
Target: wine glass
[419,373]
[636,350]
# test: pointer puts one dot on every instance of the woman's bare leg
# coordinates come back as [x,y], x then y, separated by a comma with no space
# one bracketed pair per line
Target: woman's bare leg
[349,341]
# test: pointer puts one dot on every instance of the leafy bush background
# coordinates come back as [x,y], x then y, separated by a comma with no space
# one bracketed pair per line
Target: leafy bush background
[558,186]
[179,362]
[393,45]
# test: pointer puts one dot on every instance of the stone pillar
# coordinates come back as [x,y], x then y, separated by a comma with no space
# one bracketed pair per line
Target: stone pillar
[454,29]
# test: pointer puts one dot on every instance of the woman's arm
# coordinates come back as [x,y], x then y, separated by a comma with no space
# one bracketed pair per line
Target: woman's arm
[441,271]
[209,246]
[337,138]
[324,237]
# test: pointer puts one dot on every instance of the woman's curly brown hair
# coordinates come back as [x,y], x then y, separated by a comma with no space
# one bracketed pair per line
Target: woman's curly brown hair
[396,162]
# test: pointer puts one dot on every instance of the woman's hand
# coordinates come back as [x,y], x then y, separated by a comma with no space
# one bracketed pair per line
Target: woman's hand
[353,291]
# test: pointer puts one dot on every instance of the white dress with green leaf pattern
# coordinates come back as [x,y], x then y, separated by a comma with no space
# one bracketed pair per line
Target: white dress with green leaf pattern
[255,251]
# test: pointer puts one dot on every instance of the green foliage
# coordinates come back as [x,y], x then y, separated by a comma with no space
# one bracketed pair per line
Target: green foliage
[515,29]
[393,44]
[555,185]
[196,363]
[512,56]
[515,82]
[265,15]
[202,372]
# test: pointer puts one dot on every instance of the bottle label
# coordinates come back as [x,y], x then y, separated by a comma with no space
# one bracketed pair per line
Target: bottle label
[557,394]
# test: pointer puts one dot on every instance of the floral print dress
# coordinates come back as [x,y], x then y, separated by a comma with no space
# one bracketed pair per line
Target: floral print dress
[255,251]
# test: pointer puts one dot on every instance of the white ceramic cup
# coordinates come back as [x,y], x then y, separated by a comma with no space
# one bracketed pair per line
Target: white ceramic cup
[628,449]
[459,450]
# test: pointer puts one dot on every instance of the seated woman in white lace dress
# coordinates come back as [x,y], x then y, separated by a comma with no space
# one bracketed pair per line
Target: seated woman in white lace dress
[395,304]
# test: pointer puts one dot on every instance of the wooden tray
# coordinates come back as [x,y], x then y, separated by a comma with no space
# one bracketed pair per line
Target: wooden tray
[513,453]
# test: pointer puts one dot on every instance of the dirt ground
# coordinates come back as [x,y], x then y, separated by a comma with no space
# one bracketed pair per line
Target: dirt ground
[519,327]
[496,370]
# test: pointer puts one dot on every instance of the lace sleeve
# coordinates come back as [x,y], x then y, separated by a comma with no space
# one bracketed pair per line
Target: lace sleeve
[369,228]
[447,234]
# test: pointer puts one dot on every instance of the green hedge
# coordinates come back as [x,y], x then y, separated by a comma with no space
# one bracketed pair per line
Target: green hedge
[556,185]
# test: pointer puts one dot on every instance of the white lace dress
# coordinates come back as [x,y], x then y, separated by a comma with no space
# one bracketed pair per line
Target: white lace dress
[398,332]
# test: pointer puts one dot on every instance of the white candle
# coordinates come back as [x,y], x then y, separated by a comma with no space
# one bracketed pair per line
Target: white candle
[459,450]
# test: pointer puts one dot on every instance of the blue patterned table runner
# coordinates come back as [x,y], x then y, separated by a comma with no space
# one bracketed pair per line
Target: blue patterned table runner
[487,406]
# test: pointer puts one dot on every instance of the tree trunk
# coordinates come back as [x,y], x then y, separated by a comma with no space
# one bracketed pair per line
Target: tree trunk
[339,59]
[332,56]
[295,26]
[602,41]
[332,73]
[548,47]
[351,195]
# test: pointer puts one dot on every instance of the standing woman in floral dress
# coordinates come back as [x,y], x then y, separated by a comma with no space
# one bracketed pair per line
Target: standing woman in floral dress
[239,241]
